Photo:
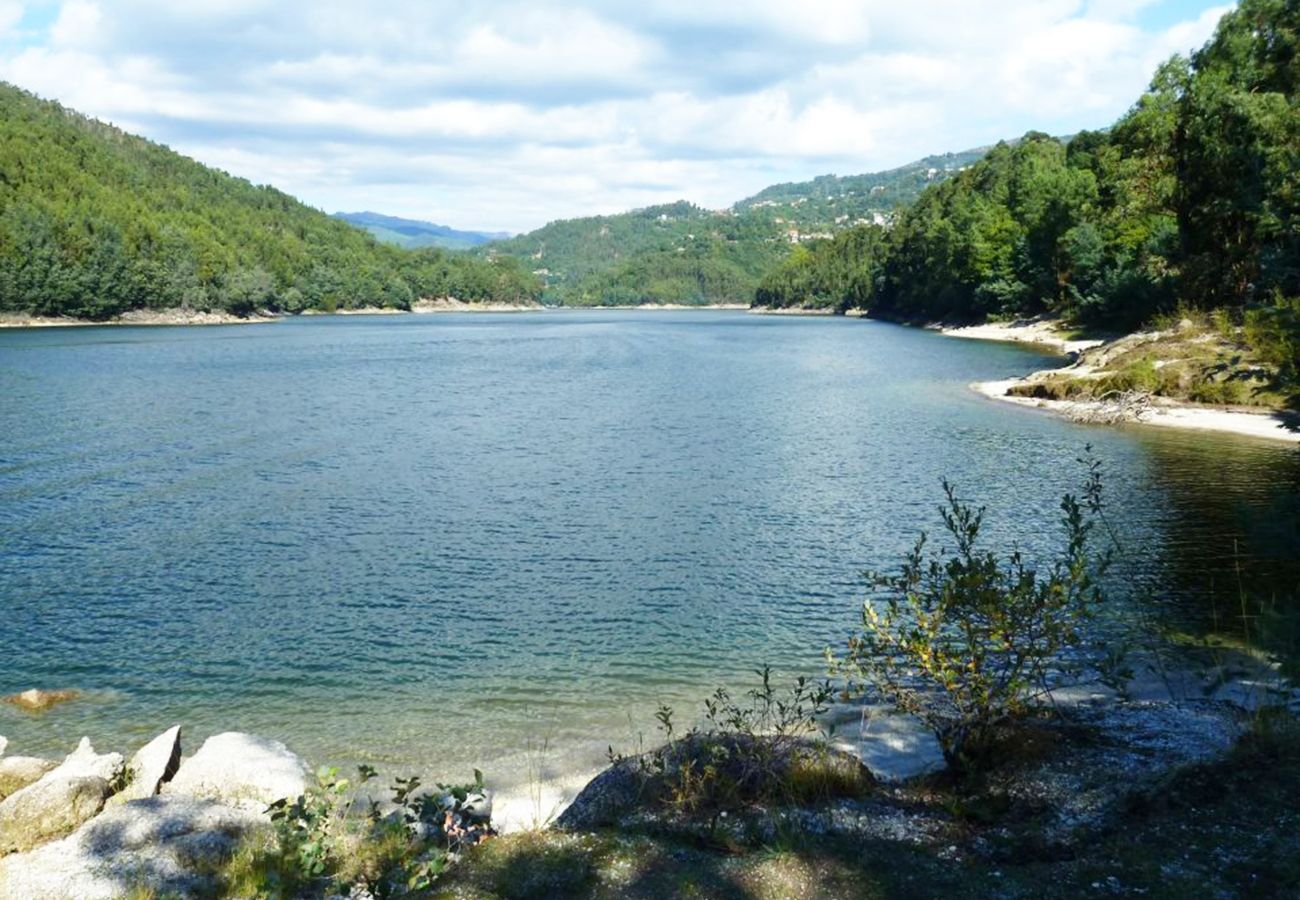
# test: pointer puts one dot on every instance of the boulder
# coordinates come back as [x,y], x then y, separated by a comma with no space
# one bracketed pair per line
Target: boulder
[893,746]
[160,846]
[49,809]
[606,799]
[152,765]
[37,700]
[242,770]
[16,772]
[84,762]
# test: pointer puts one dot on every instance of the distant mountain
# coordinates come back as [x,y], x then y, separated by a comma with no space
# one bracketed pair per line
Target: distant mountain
[681,253]
[413,233]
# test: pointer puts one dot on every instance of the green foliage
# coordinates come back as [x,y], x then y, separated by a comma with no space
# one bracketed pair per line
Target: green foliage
[839,274]
[94,222]
[1274,332]
[680,253]
[1193,197]
[966,641]
[324,846]
[753,750]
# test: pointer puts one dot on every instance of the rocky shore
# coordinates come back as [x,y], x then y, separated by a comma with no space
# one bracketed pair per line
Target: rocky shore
[103,825]
[1089,360]
[139,317]
[100,825]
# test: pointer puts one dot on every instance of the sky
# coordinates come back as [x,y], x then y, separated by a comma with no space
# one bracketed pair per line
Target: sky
[502,116]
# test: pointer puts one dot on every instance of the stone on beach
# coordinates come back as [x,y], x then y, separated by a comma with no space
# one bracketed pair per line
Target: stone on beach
[152,765]
[16,772]
[893,746]
[49,809]
[168,846]
[241,769]
[84,762]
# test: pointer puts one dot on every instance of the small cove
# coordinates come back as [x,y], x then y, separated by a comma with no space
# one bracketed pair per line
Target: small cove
[430,543]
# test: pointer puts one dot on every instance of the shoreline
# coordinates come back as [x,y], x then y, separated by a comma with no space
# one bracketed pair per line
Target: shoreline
[1039,331]
[150,317]
[1161,412]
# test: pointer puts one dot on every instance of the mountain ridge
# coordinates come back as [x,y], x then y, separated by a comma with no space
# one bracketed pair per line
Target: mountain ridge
[416,233]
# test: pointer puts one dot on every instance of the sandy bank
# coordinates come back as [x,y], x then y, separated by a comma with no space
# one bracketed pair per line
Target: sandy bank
[137,317]
[451,304]
[1160,412]
[789,311]
[683,306]
[1042,331]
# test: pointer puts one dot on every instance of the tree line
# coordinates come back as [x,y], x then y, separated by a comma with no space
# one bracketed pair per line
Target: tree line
[1191,199]
[94,222]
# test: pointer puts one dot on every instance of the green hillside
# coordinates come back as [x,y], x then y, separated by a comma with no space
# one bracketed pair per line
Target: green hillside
[1192,199]
[681,253]
[94,221]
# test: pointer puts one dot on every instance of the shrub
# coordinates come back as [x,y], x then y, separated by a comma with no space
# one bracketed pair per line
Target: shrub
[759,749]
[326,842]
[968,641]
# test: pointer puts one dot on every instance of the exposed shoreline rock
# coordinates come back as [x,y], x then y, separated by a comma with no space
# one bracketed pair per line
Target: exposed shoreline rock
[171,846]
[173,316]
[151,766]
[1086,359]
[241,770]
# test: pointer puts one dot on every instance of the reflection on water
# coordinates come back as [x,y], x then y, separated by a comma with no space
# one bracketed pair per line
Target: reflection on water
[1231,539]
[427,541]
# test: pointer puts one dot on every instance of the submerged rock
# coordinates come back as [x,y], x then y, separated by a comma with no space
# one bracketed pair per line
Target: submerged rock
[37,700]
[152,765]
[16,772]
[167,846]
[242,770]
[49,809]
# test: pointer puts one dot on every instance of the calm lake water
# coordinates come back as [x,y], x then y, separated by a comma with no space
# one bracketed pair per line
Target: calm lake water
[432,542]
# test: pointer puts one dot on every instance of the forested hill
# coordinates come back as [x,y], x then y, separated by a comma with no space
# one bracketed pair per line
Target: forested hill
[839,200]
[94,221]
[681,253]
[415,233]
[1191,199]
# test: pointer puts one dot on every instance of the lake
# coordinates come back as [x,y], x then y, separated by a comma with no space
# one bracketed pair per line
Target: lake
[434,542]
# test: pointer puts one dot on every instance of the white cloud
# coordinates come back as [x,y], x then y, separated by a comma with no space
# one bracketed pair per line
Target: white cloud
[508,114]
[80,24]
[11,13]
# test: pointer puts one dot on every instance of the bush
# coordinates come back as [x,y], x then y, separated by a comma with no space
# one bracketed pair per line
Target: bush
[327,843]
[753,751]
[969,641]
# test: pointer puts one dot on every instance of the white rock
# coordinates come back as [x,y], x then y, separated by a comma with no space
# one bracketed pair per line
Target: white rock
[49,809]
[16,772]
[84,762]
[4,742]
[241,769]
[151,765]
[168,845]
[893,746]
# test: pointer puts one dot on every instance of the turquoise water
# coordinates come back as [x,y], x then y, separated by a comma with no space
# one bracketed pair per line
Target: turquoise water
[429,542]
